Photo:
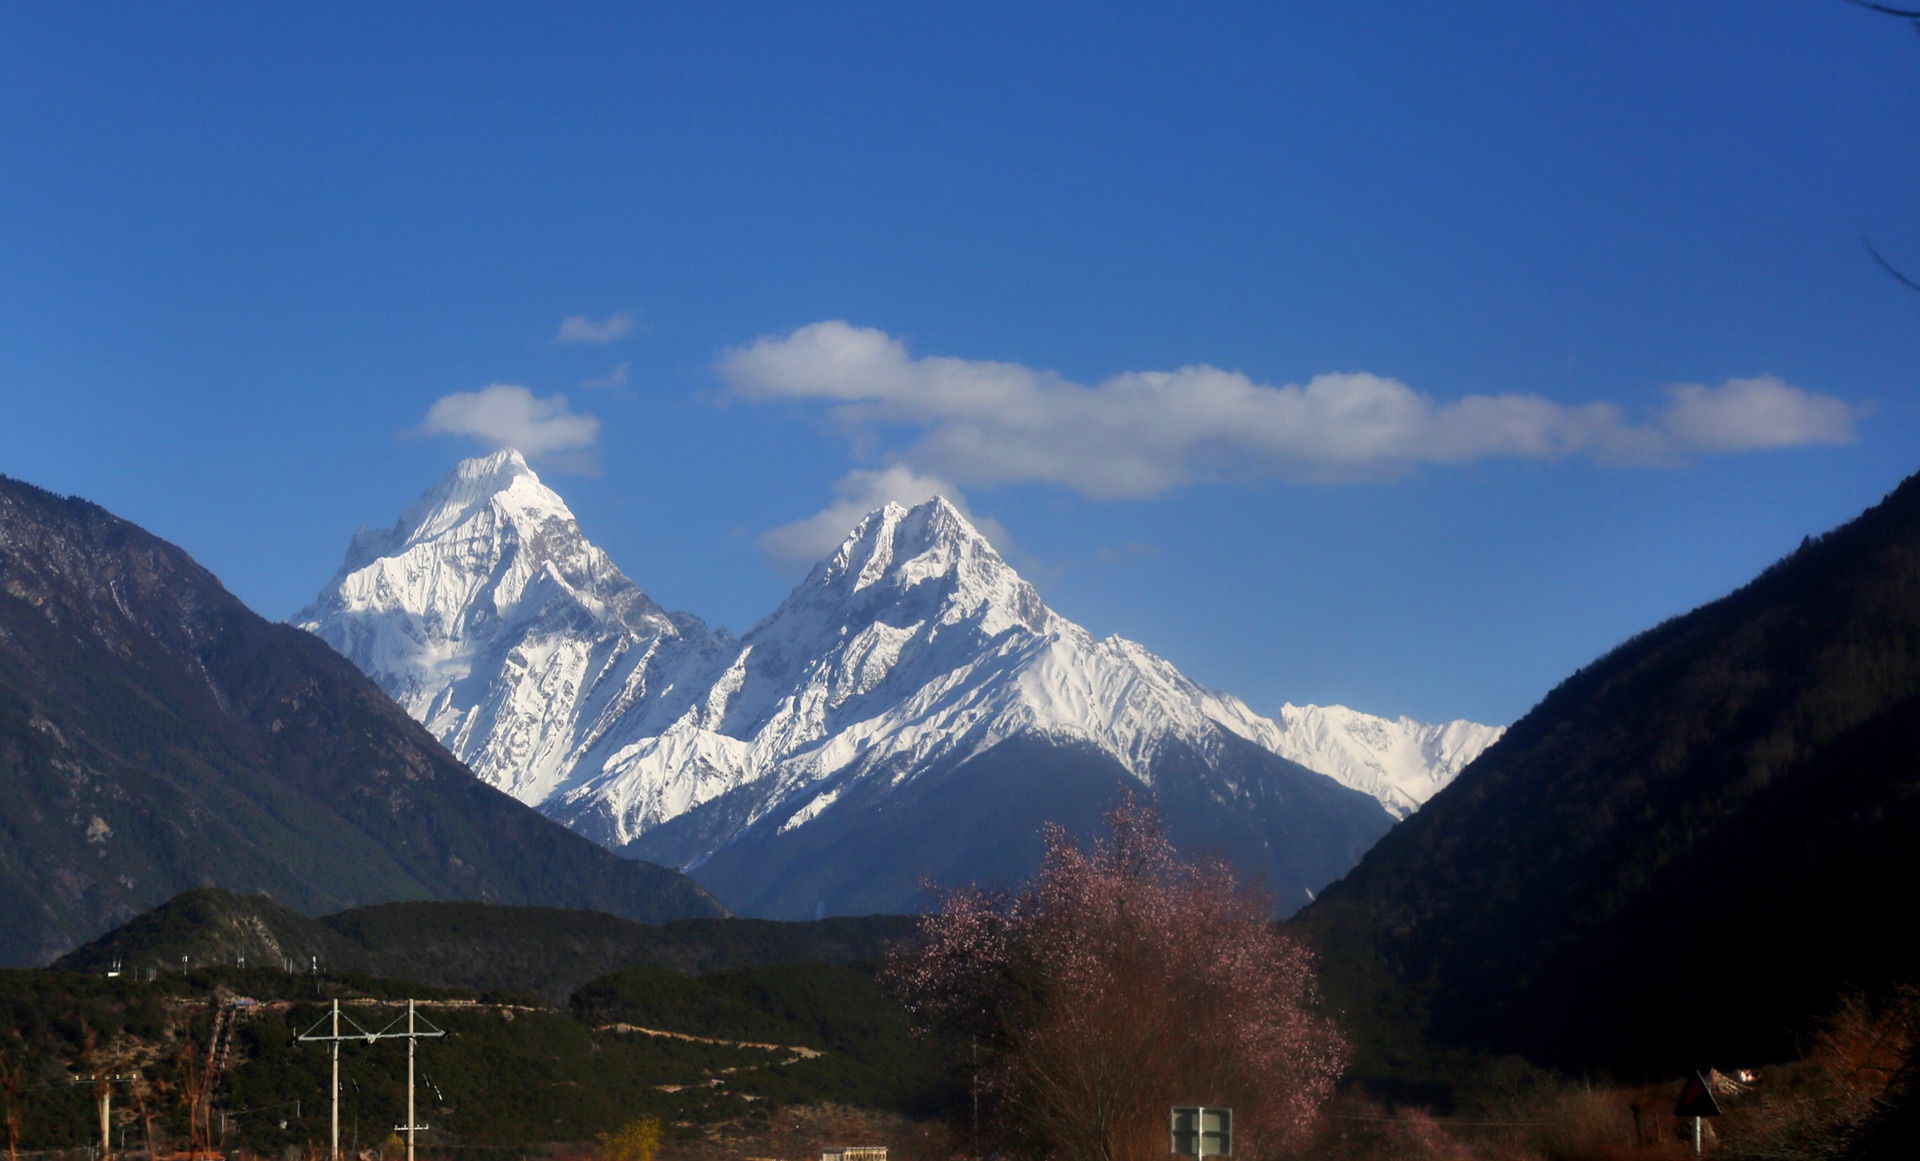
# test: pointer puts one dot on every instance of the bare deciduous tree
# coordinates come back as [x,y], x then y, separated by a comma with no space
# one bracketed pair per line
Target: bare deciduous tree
[147,1093]
[1912,15]
[10,1086]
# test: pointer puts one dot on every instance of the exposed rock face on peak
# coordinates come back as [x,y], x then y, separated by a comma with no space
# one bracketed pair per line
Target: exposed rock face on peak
[913,708]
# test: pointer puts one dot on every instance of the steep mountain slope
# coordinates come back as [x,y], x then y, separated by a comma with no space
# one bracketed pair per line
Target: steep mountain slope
[912,645]
[910,662]
[491,620]
[1400,762]
[977,819]
[156,735]
[914,710]
[1687,849]
[547,951]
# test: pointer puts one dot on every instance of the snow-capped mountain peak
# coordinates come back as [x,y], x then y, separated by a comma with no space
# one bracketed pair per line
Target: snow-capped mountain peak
[912,651]
[501,480]
[912,646]
[488,615]
[901,564]
[466,556]
[1400,761]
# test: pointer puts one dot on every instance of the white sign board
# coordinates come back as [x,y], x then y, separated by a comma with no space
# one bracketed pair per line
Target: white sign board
[1197,1131]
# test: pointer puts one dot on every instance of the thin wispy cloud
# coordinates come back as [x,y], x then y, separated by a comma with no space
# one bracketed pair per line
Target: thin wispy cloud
[858,493]
[506,415]
[611,381]
[982,423]
[581,329]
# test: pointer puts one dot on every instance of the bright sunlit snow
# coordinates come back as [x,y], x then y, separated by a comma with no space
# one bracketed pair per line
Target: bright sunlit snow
[491,619]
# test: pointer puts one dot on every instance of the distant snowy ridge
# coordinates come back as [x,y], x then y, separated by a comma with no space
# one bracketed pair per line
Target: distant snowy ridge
[912,648]
[912,645]
[1400,761]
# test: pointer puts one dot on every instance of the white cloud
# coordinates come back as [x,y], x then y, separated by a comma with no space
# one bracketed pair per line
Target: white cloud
[611,381]
[505,415]
[581,329]
[1140,433]
[856,494]
[1749,414]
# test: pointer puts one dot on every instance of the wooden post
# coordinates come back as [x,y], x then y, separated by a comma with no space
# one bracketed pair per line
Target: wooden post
[411,1041]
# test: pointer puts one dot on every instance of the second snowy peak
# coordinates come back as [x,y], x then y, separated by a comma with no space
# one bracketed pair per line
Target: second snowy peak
[912,708]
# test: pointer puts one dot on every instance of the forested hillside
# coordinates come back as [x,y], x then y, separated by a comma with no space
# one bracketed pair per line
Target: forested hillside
[508,1073]
[1684,853]
[543,951]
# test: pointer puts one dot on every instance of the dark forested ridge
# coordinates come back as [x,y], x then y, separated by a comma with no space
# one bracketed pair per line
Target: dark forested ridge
[156,735]
[508,1077]
[561,1024]
[543,951]
[1686,851]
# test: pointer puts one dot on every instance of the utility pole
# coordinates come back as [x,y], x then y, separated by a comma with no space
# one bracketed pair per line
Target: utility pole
[102,1086]
[334,1119]
[411,1119]
[413,1035]
[334,1037]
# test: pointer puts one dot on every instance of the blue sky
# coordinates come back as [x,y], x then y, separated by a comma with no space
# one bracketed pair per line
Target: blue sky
[1529,324]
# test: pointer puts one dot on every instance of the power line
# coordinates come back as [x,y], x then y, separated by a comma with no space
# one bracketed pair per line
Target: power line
[334,1037]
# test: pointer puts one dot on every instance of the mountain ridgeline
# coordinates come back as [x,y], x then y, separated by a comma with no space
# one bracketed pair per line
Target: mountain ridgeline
[912,711]
[156,735]
[542,951]
[512,1072]
[1686,852]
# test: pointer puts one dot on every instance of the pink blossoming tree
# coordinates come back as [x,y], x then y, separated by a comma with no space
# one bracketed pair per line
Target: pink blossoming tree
[1122,981]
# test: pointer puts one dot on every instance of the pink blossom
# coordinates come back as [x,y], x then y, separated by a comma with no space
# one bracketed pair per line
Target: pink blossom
[1122,981]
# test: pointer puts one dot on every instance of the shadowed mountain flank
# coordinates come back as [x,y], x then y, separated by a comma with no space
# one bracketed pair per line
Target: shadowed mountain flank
[156,735]
[1686,850]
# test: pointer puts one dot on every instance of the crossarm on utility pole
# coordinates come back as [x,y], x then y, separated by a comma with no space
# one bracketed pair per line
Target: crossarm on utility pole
[333,1037]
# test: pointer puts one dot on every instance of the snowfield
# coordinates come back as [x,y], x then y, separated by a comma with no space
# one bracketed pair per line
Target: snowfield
[488,616]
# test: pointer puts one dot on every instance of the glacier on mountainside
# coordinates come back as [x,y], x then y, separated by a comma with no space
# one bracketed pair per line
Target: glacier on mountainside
[913,644]
[488,616]
[1400,762]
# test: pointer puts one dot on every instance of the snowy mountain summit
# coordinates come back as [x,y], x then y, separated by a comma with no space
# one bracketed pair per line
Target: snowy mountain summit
[1400,761]
[913,708]
[489,617]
